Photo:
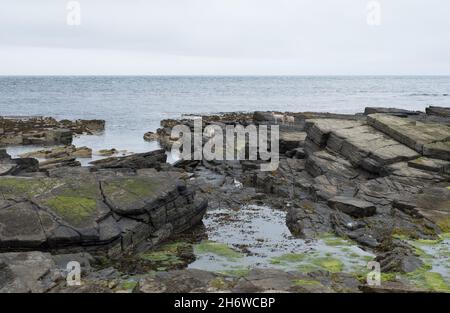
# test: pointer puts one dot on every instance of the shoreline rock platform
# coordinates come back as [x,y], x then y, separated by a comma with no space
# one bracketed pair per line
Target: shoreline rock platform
[38,130]
[380,179]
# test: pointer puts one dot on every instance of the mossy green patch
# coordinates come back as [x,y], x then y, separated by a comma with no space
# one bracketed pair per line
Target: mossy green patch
[306,268]
[303,282]
[419,252]
[428,241]
[288,258]
[388,277]
[218,283]
[219,249]
[168,256]
[30,187]
[161,259]
[131,189]
[334,241]
[353,255]
[330,264]
[435,282]
[444,224]
[128,285]
[73,209]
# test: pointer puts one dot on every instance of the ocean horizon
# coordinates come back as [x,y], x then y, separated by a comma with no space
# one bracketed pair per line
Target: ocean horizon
[133,105]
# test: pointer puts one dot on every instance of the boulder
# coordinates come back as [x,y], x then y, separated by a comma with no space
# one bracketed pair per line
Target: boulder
[439,111]
[151,136]
[87,210]
[309,219]
[60,152]
[291,140]
[352,206]
[10,166]
[151,159]
[25,272]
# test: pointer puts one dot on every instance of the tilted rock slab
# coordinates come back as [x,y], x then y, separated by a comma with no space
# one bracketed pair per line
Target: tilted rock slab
[429,139]
[110,210]
[362,145]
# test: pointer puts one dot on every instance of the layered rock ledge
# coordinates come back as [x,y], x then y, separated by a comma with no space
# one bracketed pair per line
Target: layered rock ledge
[44,130]
[77,209]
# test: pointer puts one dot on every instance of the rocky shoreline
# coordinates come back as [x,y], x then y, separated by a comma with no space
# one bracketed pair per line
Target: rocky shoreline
[374,186]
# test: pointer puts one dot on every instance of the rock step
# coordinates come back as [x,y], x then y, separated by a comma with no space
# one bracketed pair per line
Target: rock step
[439,111]
[362,145]
[429,164]
[114,213]
[429,139]
[291,140]
[352,206]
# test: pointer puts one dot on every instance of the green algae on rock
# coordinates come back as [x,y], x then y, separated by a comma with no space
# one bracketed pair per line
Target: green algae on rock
[330,264]
[72,210]
[75,210]
[218,249]
[167,257]
[288,258]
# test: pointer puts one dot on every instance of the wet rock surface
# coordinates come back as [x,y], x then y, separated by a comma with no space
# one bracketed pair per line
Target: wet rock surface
[94,210]
[44,130]
[348,189]
[135,161]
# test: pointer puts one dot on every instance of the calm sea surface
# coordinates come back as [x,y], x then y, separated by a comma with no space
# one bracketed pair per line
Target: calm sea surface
[132,106]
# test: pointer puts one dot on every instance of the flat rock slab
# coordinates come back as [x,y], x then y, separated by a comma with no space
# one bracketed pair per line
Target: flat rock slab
[93,210]
[291,140]
[26,272]
[319,130]
[352,206]
[392,111]
[429,139]
[151,159]
[429,164]
[362,145]
[434,204]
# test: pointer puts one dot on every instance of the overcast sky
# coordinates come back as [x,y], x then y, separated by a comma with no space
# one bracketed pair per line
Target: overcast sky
[225,37]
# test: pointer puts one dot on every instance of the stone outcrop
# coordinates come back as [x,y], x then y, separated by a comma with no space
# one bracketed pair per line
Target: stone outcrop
[359,143]
[60,152]
[58,162]
[44,130]
[87,210]
[135,161]
[428,138]
[368,178]
[27,272]
[151,136]
[391,111]
[439,111]
[351,206]
[10,166]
